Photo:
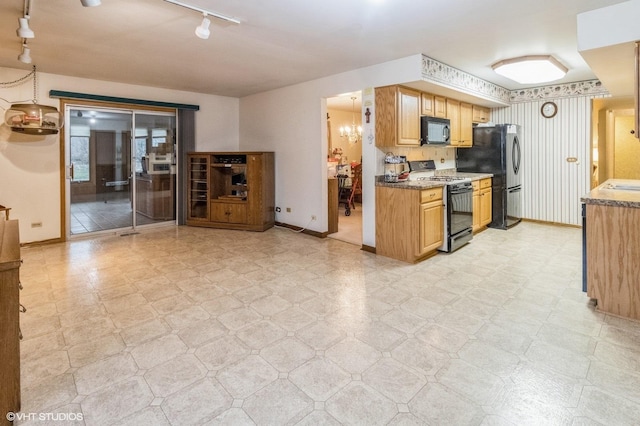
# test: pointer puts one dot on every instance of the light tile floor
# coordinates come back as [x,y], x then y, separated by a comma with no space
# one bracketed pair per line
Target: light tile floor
[95,216]
[349,227]
[191,326]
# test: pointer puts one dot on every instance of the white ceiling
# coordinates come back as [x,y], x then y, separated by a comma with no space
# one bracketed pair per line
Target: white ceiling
[283,42]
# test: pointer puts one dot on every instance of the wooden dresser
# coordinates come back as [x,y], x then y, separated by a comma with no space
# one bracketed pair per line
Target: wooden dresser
[9,319]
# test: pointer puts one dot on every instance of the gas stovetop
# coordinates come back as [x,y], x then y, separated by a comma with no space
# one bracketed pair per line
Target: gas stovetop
[447,178]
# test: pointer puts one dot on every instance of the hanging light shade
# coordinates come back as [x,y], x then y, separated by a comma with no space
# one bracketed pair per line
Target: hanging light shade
[33,119]
[90,3]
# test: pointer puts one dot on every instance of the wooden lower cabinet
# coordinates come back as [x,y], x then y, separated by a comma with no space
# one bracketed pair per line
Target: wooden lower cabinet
[9,319]
[482,196]
[431,226]
[409,222]
[229,212]
[234,190]
[612,253]
[154,196]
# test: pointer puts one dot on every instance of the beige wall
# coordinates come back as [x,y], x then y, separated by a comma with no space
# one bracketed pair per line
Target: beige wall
[30,170]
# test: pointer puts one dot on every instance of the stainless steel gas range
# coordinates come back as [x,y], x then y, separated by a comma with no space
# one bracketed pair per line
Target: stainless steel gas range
[458,204]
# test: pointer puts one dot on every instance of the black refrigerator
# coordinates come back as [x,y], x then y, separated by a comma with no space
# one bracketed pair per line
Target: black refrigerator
[497,150]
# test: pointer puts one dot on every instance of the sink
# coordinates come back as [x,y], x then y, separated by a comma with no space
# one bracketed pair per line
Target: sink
[623,187]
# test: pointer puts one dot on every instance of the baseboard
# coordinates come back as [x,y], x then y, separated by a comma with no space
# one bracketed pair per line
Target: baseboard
[302,230]
[368,249]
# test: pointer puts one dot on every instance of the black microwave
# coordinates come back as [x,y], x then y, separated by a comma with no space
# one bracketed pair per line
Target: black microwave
[435,131]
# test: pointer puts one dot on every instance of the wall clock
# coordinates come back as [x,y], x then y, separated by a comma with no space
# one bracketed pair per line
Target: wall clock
[549,109]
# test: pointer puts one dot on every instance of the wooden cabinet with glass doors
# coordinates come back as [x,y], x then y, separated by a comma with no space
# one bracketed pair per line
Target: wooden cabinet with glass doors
[233,190]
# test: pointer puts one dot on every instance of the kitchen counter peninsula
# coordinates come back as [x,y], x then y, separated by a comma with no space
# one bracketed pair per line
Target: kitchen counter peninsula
[410,216]
[612,246]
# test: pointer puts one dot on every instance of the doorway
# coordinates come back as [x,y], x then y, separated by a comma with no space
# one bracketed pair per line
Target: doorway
[344,165]
[615,149]
[121,169]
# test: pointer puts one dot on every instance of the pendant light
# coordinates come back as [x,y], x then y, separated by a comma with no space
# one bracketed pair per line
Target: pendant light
[33,118]
[353,133]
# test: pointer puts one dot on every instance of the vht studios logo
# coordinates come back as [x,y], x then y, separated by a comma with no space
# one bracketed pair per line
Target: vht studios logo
[52,417]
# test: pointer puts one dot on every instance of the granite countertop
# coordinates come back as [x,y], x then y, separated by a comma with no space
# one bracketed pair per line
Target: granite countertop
[426,184]
[613,193]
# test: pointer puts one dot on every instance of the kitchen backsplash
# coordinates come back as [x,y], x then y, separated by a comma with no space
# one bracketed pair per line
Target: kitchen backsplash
[445,158]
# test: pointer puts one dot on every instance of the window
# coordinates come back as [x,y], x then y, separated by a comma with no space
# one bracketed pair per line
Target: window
[158,136]
[140,148]
[80,154]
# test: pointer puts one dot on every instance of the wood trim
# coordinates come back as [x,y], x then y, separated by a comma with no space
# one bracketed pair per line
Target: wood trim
[368,249]
[61,141]
[302,230]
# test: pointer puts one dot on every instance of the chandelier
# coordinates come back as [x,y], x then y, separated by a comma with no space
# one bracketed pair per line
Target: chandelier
[353,133]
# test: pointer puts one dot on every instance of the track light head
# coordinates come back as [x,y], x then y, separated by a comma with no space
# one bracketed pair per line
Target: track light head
[90,3]
[25,56]
[23,30]
[202,30]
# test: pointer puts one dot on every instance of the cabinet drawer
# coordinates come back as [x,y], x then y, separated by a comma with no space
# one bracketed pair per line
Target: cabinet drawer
[431,194]
[476,185]
[485,183]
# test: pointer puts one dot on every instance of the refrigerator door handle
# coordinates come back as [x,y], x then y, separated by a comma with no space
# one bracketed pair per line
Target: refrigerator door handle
[516,157]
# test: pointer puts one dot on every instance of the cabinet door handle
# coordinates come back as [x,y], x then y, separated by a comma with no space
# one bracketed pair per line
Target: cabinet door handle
[19,333]
[20,285]
[22,308]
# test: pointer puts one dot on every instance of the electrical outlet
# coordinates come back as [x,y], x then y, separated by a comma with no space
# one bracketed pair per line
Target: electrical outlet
[313,217]
[288,209]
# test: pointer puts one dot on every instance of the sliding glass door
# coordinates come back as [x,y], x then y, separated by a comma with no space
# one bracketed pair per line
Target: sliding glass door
[121,169]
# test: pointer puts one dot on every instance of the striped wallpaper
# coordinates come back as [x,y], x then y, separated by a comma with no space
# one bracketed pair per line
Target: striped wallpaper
[552,186]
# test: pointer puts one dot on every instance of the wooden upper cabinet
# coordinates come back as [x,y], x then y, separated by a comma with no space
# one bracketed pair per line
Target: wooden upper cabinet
[453,114]
[433,106]
[397,116]
[466,125]
[480,114]
[426,104]
[459,113]
[439,106]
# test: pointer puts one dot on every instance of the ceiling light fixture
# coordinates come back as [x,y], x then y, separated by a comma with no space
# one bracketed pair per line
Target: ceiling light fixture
[202,30]
[25,56]
[531,69]
[90,3]
[23,30]
[353,133]
[208,12]
[32,119]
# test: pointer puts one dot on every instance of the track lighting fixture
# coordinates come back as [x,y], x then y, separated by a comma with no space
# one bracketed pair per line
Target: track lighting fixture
[23,30]
[202,30]
[25,56]
[90,3]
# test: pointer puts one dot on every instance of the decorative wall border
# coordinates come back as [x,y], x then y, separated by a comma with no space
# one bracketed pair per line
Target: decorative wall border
[435,71]
[440,73]
[580,88]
